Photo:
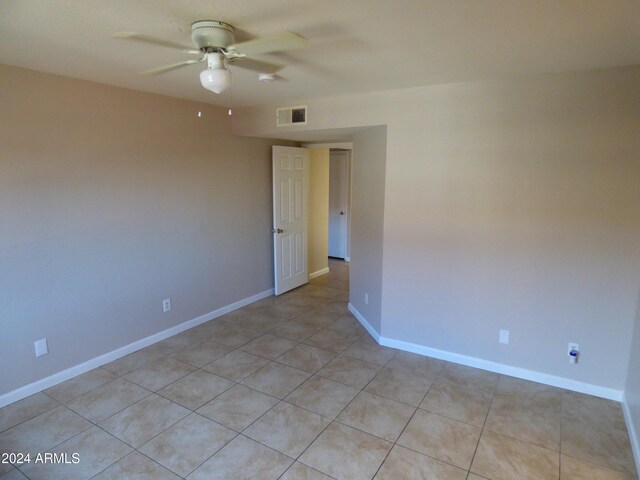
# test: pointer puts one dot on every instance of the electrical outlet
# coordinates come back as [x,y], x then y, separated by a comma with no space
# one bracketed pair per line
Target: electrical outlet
[41,347]
[572,346]
[503,336]
[166,305]
[366,299]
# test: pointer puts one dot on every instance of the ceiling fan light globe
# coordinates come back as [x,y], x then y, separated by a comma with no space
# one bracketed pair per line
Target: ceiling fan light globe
[215,79]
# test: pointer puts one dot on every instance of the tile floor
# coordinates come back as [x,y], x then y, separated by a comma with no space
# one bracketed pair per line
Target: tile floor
[293,388]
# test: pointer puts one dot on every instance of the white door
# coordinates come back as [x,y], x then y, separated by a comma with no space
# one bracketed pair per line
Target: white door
[338,192]
[290,217]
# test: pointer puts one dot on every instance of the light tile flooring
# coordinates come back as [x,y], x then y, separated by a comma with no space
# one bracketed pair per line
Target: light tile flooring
[293,388]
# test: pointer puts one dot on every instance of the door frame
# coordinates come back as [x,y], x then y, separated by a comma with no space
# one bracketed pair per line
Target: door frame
[341,146]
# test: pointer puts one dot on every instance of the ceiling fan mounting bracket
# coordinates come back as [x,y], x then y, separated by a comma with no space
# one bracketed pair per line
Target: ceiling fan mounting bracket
[207,34]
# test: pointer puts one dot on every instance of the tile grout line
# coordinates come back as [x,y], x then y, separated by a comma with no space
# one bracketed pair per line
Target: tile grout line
[475,451]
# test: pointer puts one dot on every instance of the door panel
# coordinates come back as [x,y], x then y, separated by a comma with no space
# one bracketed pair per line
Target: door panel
[290,212]
[338,214]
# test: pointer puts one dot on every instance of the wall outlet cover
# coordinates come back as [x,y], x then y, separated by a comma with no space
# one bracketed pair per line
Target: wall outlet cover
[41,347]
[166,305]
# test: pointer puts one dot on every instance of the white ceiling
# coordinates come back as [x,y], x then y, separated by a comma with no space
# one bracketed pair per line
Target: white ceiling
[355,45]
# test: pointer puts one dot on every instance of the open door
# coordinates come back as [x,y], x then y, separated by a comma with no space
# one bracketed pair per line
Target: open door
[290,217]
[338,203]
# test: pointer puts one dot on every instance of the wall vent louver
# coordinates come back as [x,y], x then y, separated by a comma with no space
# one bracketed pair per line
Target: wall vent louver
[288,116]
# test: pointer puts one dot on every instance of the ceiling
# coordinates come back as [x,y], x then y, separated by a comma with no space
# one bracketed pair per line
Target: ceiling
[355,45]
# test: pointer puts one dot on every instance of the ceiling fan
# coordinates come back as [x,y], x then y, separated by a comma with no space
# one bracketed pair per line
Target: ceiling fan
[215,42]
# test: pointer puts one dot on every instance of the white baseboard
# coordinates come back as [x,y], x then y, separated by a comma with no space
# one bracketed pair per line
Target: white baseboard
[322,271]
[96,362]
[633,432]
[363,321]
[496,367]
[347,259]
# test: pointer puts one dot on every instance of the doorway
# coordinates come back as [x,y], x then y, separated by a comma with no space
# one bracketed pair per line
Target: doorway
[339,203]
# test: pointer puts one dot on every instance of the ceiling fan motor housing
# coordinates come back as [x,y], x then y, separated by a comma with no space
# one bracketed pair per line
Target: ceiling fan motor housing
[211,34]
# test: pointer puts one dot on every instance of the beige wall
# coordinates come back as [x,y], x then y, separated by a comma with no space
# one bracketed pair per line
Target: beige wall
[110,201]
[632,390]
[318,209]
[508,205]
[367,222]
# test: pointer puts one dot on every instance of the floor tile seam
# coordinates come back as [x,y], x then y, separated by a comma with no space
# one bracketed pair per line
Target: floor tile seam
[122,409]
[479,476]
[338,381]
[620,430]
[335,419]
[490,430]
[120,440]
[485,392]
[48,449]
[267,446]
[62,402]
[293,340]
[306,371]
[269,358]
[361,391]
[80,433]
[165,357]
[58,403]
[278,364]
[493,430]
[160,388]
[475,452]
[314,469]
[202,463]
[119,375]
[297,459]
[137,451]
[255,390]
[591,461]
[172,355]
[381,366]
[468,470]
[257,419]
[615,469]
[377,365]
[157,434]
[422,453]
[296,406]
[288,402]
[342,422]
[428,390]
[457,420]
[324,348]
[387,397]
[238,382]
[200,366]
[158,463]
[385,458]
[211,399]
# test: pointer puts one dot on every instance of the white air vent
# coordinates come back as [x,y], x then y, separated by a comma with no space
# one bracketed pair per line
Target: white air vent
[288,116]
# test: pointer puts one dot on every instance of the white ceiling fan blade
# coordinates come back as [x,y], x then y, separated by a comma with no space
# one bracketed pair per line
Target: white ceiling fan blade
[255,65]
[275,43]
[155,41]
[166,68]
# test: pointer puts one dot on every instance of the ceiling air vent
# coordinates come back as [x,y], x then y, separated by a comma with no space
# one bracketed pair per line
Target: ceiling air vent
[288,116]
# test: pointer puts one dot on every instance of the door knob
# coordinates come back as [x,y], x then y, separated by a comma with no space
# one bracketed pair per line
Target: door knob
[277,230]
[341,212]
